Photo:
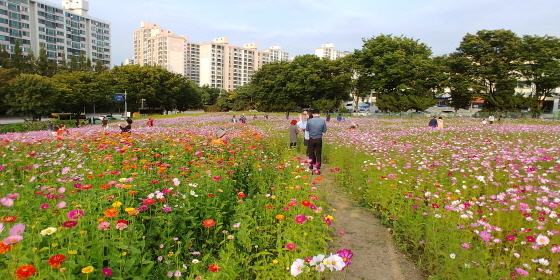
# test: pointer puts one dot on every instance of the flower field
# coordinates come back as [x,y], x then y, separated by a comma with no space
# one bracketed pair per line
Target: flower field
[465,202]
[167,201]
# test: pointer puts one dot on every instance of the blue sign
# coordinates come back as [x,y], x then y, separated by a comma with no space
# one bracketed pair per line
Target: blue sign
[119,97]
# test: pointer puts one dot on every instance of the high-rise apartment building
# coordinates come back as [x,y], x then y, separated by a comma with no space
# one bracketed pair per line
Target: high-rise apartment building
[66,29]
[216,63]
[328,51]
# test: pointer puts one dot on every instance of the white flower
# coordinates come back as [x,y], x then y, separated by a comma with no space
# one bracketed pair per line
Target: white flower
[542,240]
[334,261]
[48,231]
[317,259]
[452,256]
[195,261]
[297,267]
[544,261]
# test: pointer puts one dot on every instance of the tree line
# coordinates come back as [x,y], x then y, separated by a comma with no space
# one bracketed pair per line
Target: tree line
[404,75]
[401,72]
[35,87]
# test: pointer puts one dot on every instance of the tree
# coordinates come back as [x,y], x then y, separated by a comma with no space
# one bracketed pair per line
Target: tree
[32,96]
[99,67]
[540,65]
[495,58]
[209,95]
[460,80]
[44,68]
[7,75]
[78,90]
[17,59]
[397,67]
[5,61]
[63,65]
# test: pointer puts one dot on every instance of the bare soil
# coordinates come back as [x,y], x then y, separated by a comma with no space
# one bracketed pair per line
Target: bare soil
[375,254]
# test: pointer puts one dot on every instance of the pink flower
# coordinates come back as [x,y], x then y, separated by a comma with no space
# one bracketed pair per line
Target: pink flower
[466,246]
[107,271]
[542,240]
[521,271]
[104,225]
[75,214]
[44,206]
[290,246]
[13,239]
[300,219]
[17,229]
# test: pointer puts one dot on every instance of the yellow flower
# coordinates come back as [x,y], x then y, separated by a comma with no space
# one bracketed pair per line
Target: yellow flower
[275,261]
[82,232]
[117,204]
[100,220]
[305,234]
[170,254]
[72,252]
[87,269]
[54,245]
[123,254]
[129,209]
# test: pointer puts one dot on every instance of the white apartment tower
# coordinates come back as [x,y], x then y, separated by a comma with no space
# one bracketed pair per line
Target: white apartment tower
[66,29]
[159,47]
[328,51]
[216,63]
[275,53]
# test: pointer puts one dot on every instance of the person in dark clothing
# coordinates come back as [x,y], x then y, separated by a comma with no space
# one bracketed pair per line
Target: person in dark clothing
[316,127]
[433,122]
[128,127]
[328,116]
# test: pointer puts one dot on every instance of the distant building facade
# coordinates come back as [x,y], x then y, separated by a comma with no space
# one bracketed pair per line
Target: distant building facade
[66,29]
[328,51]
[216,64]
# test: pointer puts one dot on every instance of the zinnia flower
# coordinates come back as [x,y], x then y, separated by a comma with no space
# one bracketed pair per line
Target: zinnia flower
[69,224]
[9,219]
[214,267]
[4,248]
[56,260]
[107,271]
[25,271]
[208,223]
[75,214]
[17,229]
[111,212]
[13,239]
[87,269]
[48,231]
[290,246]
[300,219]
[104,225]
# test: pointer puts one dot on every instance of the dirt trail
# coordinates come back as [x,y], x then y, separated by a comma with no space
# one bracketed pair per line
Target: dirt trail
[375,255]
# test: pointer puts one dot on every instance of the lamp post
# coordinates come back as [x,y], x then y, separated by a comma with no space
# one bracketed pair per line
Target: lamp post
[125,108]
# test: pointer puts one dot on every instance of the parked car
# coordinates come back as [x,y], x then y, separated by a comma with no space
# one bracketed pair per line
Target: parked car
[109,117]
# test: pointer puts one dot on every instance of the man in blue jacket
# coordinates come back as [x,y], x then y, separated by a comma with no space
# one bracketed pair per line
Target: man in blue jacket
[316,127]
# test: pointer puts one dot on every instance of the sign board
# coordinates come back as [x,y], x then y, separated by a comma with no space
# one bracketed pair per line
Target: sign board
[119,97]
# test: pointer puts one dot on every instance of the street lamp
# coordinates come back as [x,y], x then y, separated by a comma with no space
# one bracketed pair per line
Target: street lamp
[125,108]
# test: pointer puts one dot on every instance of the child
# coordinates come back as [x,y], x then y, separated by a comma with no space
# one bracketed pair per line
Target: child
[293,130]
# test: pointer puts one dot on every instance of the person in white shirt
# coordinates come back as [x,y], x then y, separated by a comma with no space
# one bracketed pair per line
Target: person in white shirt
[491,119]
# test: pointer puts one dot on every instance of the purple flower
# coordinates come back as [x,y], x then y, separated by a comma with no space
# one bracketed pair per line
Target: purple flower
[17,229]
[75,214]
[44,206]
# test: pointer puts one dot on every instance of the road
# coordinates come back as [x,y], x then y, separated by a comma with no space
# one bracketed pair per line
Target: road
[9,120]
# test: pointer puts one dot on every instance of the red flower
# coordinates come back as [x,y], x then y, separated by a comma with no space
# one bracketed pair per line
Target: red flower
[149,201]
[241,195]
[530,238]
[306,203]
[56,260]
[214,267]
[210,195]
[25,271]
[208,223]
[269,207]
[69,224]
[9,219]
[122,222]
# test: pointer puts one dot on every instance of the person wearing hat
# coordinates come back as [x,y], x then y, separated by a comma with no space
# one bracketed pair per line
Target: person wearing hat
[316,126]
[293,133]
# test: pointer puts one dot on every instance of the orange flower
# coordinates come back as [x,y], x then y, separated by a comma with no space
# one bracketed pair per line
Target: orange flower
[111,212]
[25,271]
[133,192]
[208,223]
[319,179]
[214,267]
[56,260]
[4,248]
[105,187]
[9,219]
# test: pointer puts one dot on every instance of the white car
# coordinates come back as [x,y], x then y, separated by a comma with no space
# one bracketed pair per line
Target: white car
[109,117]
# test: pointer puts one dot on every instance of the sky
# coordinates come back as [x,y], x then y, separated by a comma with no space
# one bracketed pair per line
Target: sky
[300,26]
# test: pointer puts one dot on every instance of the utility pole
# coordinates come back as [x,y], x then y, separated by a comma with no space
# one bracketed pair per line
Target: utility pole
[125,107]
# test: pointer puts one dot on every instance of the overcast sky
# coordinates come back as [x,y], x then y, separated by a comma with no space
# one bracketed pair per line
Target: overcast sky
[300,26]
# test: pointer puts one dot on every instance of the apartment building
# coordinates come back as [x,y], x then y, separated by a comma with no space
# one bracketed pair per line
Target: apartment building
[328,51]
[275,53]
[216,64]
[66,29]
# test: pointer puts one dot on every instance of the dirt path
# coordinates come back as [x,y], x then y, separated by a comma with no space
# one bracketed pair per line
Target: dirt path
[375,255]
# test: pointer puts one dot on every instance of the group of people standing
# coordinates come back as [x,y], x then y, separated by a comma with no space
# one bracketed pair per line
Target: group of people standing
[313,127]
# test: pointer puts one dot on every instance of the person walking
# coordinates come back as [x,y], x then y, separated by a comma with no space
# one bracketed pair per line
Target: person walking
[287,114]
[328,116]
[433,122]
[302,124]
[440,123]
[293,130]
[316,128]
